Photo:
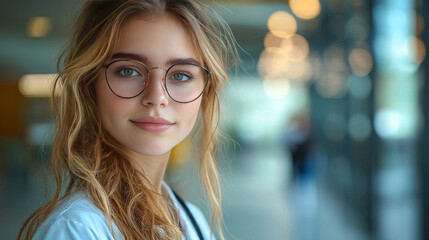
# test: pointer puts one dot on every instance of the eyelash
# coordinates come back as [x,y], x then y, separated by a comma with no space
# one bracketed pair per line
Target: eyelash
[183,73]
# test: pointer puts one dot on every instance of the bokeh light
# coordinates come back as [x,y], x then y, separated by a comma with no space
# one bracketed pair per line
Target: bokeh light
[387,123]
[36,85]
[300,71]
[419,53]
[282,24]
[305,9]
[296,47]
[272,40]
[285,57]
[360,61]
[39,26]
[272,62]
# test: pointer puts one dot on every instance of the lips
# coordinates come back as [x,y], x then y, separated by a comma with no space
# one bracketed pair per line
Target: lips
[153,124]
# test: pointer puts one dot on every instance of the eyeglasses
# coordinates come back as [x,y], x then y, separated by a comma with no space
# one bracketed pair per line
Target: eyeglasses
[183,82]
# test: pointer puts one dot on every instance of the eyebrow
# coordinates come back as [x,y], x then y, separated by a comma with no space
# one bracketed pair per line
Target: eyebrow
[144,59]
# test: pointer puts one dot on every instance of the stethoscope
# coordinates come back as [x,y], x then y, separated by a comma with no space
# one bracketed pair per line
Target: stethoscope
[188,212]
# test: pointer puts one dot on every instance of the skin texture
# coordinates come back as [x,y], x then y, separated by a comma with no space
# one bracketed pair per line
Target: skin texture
[168,39]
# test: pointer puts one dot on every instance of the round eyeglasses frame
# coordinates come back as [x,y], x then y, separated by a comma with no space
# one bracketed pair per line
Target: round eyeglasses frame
[209,74]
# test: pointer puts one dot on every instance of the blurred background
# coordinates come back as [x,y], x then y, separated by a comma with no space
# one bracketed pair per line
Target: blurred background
[327,113]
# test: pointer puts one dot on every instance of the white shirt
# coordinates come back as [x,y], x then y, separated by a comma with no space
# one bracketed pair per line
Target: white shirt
[76,217]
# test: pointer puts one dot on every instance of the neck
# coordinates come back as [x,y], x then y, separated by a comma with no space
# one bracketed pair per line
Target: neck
[153,167]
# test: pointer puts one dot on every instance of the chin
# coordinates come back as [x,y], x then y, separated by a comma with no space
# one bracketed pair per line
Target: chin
[152,150]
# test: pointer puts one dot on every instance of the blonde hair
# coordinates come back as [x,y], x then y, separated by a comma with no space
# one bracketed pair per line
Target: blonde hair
[87,158]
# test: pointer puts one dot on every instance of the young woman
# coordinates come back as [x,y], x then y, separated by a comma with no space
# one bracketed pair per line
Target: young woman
[137,77]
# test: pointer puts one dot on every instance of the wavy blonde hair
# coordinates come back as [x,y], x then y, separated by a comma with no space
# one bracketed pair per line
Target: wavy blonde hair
[86,157]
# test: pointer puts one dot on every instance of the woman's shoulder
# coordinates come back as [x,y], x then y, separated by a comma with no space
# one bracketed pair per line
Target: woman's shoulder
[75,217]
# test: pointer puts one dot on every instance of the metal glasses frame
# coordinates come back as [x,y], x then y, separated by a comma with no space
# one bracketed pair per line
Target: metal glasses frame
[164,81]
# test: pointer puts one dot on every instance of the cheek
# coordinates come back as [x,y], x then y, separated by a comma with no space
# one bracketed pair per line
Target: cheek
[108,104]
[192,110]
[188,114]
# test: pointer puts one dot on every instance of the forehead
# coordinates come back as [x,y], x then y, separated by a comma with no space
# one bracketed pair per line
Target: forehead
[157,37]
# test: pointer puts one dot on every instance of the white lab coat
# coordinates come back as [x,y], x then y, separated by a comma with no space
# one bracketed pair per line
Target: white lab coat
[76,217]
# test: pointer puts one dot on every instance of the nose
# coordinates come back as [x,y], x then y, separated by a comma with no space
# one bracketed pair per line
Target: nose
[154,94]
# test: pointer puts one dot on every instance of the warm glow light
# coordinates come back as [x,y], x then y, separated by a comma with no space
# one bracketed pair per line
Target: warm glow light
[272,40]
[287,46]
[419,48]
[276,87]
[39,26]
[273,62]
[282,24]
[285,57]
[296,47]
[360,61]
[301,71]
[36,85]
[305,9]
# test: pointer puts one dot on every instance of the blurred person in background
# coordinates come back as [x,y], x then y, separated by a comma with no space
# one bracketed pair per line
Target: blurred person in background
[298,142]
[135,78]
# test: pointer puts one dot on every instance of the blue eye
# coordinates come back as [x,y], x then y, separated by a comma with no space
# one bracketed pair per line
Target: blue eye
[180,77]
[128,72]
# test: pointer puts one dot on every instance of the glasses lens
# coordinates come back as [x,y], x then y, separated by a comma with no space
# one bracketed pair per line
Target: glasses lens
[126,78]
[185,82]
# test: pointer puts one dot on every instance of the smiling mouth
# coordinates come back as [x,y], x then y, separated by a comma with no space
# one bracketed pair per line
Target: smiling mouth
[151,124]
